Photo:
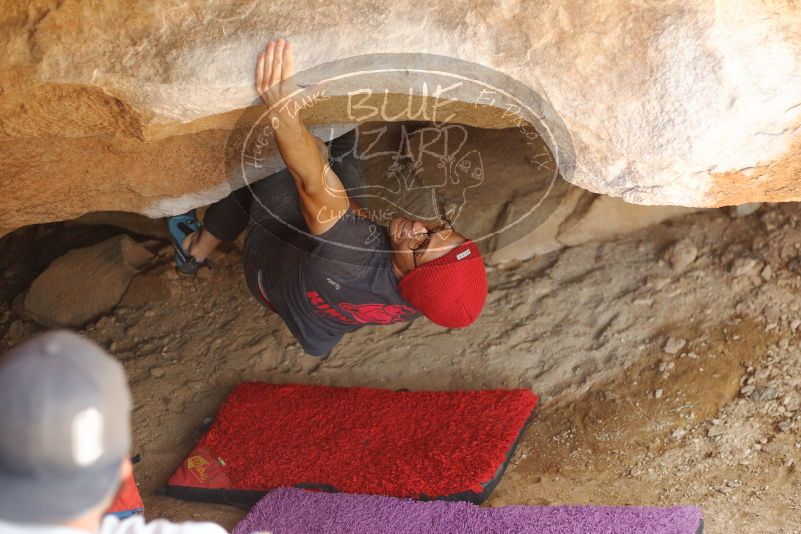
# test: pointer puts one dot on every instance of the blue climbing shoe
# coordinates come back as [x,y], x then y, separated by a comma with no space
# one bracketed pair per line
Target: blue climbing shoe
[179,227]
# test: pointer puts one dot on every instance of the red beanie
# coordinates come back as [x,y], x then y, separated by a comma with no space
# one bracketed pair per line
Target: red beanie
[449,290]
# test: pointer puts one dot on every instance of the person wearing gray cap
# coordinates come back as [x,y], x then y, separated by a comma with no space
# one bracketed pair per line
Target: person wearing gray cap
[65,437]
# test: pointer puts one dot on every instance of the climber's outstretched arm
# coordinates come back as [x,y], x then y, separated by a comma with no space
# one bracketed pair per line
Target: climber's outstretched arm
[322,197]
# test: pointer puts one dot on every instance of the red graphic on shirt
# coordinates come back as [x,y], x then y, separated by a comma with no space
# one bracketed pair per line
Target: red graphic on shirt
[377,313]
[360,313]
[326,310]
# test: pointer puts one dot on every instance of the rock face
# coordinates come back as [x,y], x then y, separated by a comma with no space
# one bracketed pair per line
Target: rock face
[85,283]
[583,217]
[127,106]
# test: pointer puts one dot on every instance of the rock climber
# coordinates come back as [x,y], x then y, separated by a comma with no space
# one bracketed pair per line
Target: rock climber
[65,441]
[313,255]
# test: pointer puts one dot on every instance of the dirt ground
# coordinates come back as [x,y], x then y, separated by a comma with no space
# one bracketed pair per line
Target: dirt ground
[661,383]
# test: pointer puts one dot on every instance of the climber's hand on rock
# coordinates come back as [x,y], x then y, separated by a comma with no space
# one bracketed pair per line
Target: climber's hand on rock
[274,72]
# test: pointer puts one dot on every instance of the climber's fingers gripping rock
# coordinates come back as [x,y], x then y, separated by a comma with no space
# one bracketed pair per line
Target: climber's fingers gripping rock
[274,72]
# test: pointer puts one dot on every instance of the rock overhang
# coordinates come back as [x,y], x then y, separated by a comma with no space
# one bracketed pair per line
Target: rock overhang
[126,107]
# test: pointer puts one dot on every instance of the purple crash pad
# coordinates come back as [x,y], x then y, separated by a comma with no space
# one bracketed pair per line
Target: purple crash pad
[295,511]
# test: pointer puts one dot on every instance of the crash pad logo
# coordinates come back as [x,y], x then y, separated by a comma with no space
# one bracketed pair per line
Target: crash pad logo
[201,469]
[198,466]
[416,146]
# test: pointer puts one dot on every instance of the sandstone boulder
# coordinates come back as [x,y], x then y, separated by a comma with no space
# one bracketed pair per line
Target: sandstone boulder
[609,217]
[128,106]
[582,217]
[85,283]
[146,289]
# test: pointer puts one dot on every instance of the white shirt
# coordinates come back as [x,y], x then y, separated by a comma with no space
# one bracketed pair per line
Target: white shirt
[113,525]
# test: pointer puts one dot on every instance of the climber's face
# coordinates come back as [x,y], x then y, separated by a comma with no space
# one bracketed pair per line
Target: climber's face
[416,242]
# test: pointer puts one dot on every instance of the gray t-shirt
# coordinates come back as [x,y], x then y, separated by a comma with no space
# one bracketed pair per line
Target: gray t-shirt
[325,286]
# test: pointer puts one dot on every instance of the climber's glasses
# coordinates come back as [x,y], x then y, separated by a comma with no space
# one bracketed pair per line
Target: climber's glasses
[422,247]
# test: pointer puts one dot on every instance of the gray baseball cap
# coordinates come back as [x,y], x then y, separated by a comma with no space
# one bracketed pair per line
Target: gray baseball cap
[64,428]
